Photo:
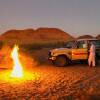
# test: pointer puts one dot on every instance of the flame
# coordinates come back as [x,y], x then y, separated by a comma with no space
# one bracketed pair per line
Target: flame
[17,71]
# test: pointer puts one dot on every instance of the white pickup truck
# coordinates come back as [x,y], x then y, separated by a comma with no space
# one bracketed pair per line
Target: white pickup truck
[74,51]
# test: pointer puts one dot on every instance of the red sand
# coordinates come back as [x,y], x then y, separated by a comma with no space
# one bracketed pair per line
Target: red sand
[53,83]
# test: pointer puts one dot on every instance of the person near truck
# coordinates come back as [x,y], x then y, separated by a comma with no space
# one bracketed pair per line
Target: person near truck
[91,59]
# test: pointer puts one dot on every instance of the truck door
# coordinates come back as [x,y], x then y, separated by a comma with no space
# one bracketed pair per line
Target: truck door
[80,52]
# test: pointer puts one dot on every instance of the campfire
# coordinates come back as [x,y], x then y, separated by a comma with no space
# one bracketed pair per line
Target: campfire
[17,71]
[21,71]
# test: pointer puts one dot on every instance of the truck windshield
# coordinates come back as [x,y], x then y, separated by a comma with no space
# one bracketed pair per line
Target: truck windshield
[70,44]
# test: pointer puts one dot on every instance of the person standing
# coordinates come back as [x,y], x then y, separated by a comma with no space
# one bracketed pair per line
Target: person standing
[91,59]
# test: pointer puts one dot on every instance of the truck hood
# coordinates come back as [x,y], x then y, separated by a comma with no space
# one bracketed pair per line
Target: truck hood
[59,49]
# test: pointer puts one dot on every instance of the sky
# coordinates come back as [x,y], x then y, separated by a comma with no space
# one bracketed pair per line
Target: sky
[76,17]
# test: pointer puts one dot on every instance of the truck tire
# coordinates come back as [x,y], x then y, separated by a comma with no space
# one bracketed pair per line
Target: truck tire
[61,61]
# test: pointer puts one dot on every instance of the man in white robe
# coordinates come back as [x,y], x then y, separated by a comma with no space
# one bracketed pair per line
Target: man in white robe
[91,59]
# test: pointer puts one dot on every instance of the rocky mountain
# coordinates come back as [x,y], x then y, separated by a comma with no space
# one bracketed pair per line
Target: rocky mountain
[85,37]
[31,36]
[98,36]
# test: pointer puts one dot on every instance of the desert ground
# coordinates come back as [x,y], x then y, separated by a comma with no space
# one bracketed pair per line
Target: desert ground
[48,82]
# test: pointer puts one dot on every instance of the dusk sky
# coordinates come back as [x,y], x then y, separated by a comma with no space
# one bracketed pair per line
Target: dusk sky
[76,17]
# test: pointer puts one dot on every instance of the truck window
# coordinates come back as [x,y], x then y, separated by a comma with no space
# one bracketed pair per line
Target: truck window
[96,42]
[81,44]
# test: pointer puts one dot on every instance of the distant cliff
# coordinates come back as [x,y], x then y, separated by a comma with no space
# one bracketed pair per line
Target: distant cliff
[34,36]
[85,37]
[98,36]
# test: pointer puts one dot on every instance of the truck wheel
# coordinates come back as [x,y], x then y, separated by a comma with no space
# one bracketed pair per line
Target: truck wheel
[60,61]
